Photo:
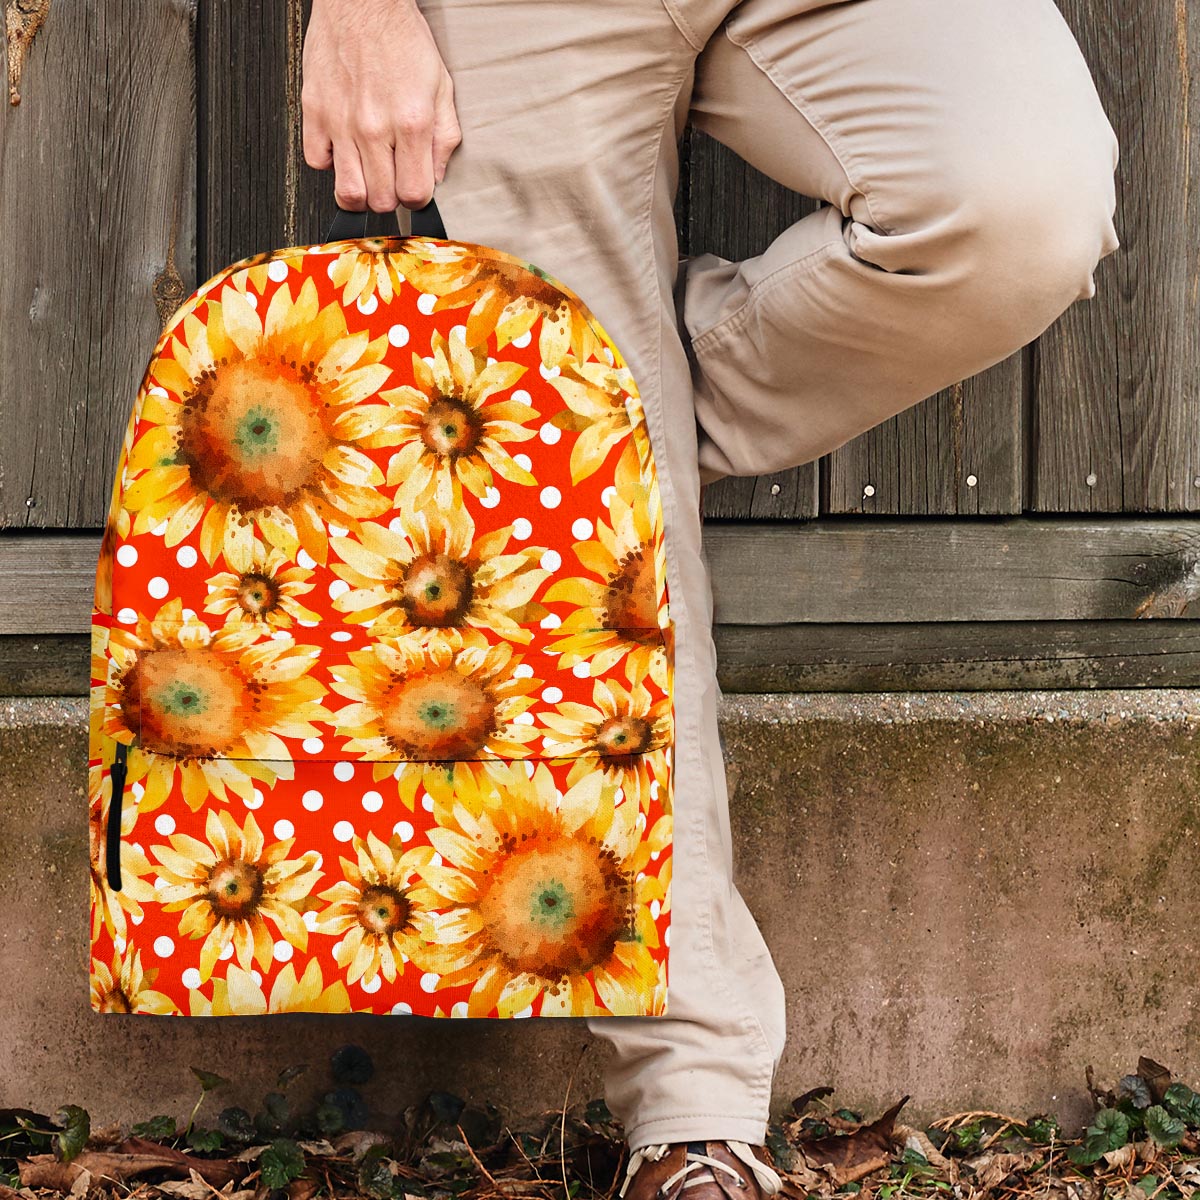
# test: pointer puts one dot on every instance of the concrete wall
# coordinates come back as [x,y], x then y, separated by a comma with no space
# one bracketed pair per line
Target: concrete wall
[970,896]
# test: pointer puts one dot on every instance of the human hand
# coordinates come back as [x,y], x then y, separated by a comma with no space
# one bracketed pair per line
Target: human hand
[377,103]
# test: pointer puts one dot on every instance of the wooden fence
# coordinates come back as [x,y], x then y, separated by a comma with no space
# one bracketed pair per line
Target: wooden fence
[1014,530]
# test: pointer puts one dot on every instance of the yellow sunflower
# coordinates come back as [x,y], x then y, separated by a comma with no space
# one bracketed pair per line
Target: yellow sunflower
[113,910]
[253,425]
[506,294]
[124,987]
[370,269]
[212,706]
[622,609]
[607,399]
[542,896]
[232,887]
[449,432]
[428,699]
[239,995]
[427,570]
[626,730]
[379,907]
[266,596]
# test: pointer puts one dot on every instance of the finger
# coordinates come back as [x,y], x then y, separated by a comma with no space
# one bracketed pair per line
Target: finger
[447,134]
[318,149]
[413,163]
[349,188]
[377,156]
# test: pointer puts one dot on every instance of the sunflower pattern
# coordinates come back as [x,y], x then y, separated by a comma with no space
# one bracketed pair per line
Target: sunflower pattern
[382,660]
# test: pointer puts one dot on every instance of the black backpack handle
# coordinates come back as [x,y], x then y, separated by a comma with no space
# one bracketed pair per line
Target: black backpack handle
[426,221]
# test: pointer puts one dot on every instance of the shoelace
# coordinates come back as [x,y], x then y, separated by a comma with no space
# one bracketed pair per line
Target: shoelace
[768,1179]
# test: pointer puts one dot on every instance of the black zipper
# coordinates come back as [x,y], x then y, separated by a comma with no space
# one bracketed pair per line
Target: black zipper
[113,841]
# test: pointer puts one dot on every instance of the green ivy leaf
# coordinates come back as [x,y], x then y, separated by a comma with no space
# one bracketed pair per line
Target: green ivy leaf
[1180,1101]
[1111,1126]
[207,1141]
[235,1124]
[157,1129]
[1136,1089]
[281,1162]
[1165,1129]
[209,1080]
[75,1125]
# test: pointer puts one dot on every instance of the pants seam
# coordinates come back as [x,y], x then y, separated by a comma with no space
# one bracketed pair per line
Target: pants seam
[683,24]
[761,286]
[806,110]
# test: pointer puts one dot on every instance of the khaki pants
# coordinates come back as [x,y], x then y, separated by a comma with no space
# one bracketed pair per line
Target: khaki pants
[969,172]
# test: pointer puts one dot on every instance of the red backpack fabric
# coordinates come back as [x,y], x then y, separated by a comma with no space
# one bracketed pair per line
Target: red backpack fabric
[381,714]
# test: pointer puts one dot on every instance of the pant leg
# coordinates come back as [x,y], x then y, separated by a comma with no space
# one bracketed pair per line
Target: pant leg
[968,166]
[570,116]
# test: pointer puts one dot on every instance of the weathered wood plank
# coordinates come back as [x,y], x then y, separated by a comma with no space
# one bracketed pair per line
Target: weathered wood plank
[1118,394]
[957,656]
[843,572]
[97,201]
[57,664]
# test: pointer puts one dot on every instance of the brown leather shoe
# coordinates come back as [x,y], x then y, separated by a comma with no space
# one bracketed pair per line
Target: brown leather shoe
[712,1170]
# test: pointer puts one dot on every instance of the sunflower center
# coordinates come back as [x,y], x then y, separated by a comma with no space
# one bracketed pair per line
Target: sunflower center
[556,907]
[451,428]
[436,590]
[383,911]
[185,702]
[235,888]
[253,434]
[438,715]
[116,1002]
[632,594]
[620,736]
[257,594]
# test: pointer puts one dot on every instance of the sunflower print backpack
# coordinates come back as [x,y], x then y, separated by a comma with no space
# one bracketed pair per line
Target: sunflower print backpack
[381,683]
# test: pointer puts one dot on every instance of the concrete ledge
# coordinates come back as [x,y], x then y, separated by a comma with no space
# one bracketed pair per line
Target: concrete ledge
[969,895]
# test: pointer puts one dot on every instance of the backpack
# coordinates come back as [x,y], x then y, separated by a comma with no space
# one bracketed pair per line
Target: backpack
[381,678]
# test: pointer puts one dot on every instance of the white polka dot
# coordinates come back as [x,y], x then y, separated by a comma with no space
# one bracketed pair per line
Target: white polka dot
[667,936]
[281,635]
[160,393]
[255,799]
[338,531]
[523,671]
[310,920]
[400,1008]
[551,560]
[551,497]
[521,529]
[547,372]
[523,719]
[427,802]
[256,975]
[127,616]
[608,354]
[429,981]
[398,335]
[160,530]
[164,823]
[283,828]
[581,529]
[190,978]
[127,555]
[343,831]
[308,624]
[551,621]
[490,498]
[607,495]
[226,952]
[186,556]
[333,266]
[283,951]
[313,745]
[404,829]
[373,985]
[367,306]
[312,800]
[425,303]
[552,695]
[654,789]
[549,433]
[339,587]
[523,460]
[460,332]
[138,790]
[582,670]
[372,801]
[521,396]
[343,771]
[341,635]
[459,1009]
[529,768]
[525,1012]
[277,271]
[524,340]
[158,587]
[306,560]
[163,946]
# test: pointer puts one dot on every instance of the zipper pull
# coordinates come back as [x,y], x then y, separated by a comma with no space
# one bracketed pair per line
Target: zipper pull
[113,840]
